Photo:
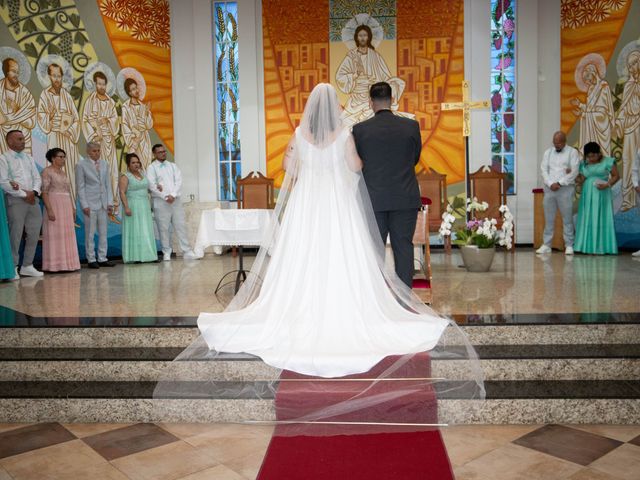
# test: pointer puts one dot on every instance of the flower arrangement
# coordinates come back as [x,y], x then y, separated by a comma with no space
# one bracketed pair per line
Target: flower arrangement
[481,232]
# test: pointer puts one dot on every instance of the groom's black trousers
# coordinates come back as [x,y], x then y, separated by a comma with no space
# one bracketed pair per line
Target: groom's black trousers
[400,226]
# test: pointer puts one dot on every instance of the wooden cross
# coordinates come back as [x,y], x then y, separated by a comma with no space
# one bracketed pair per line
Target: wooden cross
[466,105]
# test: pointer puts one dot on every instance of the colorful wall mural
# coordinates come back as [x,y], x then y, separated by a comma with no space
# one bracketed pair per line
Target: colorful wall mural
[600,93]
[417,48]
[78,71]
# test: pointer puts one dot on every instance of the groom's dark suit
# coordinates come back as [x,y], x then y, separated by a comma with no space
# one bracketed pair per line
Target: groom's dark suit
[389,147]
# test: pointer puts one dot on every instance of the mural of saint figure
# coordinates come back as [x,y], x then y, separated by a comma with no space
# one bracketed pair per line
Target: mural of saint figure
[596,114]
[57,113]
[100,121]
[17,106]
[136,115]
[628,120]
[362,67]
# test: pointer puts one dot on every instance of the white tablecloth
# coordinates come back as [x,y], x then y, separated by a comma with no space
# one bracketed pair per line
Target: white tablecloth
[231,227]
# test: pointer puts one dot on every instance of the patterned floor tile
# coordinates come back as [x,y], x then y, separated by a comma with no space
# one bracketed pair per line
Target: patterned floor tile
[513,462]
[623,462]
[169,462]
[65,461]
[25,439]
[568,443]
[129,440]
[81,430]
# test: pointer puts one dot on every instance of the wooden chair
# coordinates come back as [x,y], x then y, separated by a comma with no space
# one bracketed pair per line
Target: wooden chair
[433,185]
[421,238]
[487,185]
[255,191]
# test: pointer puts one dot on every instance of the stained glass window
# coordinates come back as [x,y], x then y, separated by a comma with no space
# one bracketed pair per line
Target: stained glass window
[225,19]
[503,89]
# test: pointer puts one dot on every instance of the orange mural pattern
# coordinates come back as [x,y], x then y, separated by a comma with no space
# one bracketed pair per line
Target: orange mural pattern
[430,59]
[296,58]
[148,52]
[587,27]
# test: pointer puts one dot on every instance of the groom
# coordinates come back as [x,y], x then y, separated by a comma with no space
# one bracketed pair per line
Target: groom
[389,146]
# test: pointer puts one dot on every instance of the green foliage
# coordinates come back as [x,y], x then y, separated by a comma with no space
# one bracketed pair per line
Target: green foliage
[80,39]
[31,50]
[29,26]
[49,22]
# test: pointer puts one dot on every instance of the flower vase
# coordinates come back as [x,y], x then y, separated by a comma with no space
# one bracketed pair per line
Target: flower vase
[477,259]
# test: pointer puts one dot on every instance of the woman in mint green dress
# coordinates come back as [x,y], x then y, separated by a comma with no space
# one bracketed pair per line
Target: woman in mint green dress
[595,232]
[7,268]
[138,240]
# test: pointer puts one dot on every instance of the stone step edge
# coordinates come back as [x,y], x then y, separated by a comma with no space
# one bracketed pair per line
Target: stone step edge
[497,412]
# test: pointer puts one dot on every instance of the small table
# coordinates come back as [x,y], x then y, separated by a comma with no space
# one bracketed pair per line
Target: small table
[232,227]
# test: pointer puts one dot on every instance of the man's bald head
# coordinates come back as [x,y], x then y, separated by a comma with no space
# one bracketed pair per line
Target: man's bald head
[559,140]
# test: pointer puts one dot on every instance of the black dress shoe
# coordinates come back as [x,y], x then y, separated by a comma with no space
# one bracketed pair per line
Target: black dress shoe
[108,263]
[93,265]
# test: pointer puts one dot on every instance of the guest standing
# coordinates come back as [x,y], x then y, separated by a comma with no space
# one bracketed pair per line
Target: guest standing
[7,267]
[138,240]
[595,231]
[21,182]
[559,168]
[165,182]
[59,246]
[93,186]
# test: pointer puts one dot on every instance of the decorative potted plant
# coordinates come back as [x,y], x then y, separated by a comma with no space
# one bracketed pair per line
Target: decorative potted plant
[477,237]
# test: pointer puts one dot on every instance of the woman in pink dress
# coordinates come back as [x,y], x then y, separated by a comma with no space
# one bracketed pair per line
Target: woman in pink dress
[59,246]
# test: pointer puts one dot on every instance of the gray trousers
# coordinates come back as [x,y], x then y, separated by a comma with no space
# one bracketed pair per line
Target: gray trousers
[169,215]
[562,200]
[26,218]
[95,222]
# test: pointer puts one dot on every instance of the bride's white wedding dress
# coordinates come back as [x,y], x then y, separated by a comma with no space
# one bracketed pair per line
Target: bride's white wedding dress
[325,306]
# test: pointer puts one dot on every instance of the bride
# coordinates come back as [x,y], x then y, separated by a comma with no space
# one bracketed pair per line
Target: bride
[318,300]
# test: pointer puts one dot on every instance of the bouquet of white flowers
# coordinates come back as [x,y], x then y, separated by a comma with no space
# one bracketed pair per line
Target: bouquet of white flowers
[481,232]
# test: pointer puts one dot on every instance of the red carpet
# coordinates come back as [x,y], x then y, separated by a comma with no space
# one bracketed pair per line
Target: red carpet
[324,452]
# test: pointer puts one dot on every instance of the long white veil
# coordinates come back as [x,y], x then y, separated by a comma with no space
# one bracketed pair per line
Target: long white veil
[435,382]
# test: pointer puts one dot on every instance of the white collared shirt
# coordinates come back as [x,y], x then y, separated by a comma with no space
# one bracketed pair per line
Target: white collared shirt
[555,166]
[20,168]
[167,175]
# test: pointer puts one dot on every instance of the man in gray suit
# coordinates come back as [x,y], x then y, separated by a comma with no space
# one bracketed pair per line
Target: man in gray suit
[93,187]
[21,182]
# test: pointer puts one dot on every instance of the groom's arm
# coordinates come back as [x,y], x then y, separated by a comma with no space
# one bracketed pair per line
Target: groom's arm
[418,142]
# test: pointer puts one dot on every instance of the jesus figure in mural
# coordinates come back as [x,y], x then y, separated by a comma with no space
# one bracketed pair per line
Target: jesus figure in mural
[361,68]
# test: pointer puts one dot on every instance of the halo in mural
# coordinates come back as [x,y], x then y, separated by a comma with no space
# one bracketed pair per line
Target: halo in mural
[362,19]
[21,60]
[623,58]
[95,67]
[594,59]
[43,75]
[130,72]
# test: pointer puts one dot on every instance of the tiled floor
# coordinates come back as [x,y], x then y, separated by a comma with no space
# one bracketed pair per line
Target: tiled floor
[519,283]
[235,452]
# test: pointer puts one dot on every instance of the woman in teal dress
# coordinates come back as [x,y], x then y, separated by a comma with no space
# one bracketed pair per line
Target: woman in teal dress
[595,232]
[7,268]
[138,240]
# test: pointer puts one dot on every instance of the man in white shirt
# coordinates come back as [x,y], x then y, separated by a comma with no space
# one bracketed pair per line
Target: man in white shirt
[21,182]
[635,178]
[165,182]
[560,167]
